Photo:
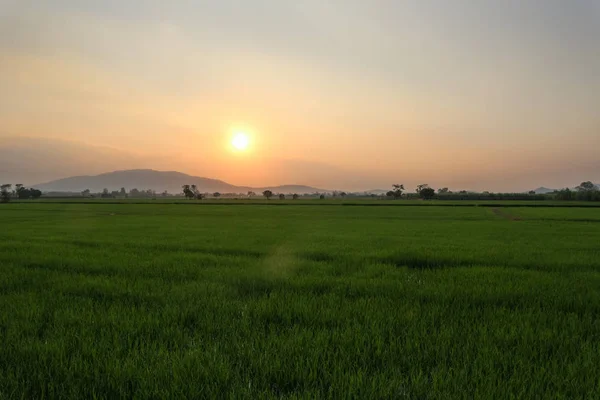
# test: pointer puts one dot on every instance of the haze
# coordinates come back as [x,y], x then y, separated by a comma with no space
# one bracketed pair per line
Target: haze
[350,94]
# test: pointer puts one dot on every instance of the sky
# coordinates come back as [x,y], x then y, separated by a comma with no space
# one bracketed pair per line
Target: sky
[349,94]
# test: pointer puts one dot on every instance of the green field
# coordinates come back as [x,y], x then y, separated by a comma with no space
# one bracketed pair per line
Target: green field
[233,301]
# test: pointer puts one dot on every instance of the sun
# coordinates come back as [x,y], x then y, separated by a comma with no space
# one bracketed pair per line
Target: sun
[240,141]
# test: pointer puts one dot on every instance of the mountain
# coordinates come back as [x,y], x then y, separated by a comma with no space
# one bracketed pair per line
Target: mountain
[159,181]
[543,190]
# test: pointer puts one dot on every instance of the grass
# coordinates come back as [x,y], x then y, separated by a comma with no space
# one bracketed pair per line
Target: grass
[164,300]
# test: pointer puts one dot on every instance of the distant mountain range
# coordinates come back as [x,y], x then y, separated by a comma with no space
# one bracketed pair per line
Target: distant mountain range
[159,181]
[544,190]
[172,181]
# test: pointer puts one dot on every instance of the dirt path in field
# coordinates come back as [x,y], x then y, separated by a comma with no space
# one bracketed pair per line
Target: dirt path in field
[504,214]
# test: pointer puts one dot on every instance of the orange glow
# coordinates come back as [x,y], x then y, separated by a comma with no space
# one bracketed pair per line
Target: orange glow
[240,141]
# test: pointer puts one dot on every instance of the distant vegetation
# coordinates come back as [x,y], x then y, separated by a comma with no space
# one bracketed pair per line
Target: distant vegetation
[586,191]
[20,192]
[268,194]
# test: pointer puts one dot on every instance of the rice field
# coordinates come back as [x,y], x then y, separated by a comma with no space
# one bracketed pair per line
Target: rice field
[253,301]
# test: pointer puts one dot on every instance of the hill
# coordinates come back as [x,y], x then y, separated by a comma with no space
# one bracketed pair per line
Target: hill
[543,190]
[172,181]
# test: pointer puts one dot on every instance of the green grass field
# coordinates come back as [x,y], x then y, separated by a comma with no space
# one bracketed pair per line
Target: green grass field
[228,301]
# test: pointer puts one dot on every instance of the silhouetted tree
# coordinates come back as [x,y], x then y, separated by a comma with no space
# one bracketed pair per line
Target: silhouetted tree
[86,193]
[122,192]
[216,195]
[5,194]
[397,190]
[164,194]
[565,194]
[188,192]
[421,187]
[532,192]
[587,191]
[443,190]
[322,197]
[427,193]
[268,194]
[343,194]
[199,196]
[134,192]
[295,196]
[586,187]
[105,193]
[23,193]
[281,196]
[251,194]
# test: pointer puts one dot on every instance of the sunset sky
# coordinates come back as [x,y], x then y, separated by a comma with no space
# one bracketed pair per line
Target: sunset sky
[349,94]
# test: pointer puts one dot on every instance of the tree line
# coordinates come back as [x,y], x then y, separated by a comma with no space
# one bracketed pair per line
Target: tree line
[586,191]
[20,192]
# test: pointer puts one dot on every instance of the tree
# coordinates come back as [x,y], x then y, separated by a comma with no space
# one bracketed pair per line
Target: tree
[5,193]
[165,194]
[322,197]
[216,195]
[21,191]
[397,190]
[199,196]
[134,192]
[295,196]
[443,190]
[268,194]
[343,194]
[105,193]
[281,196]
[427,193]
[532,192]
[188,192]
[86,193]
[35,193]
[586,187]
[565,194]
[251,194]
[122,192]
[421,187]
[587,191]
